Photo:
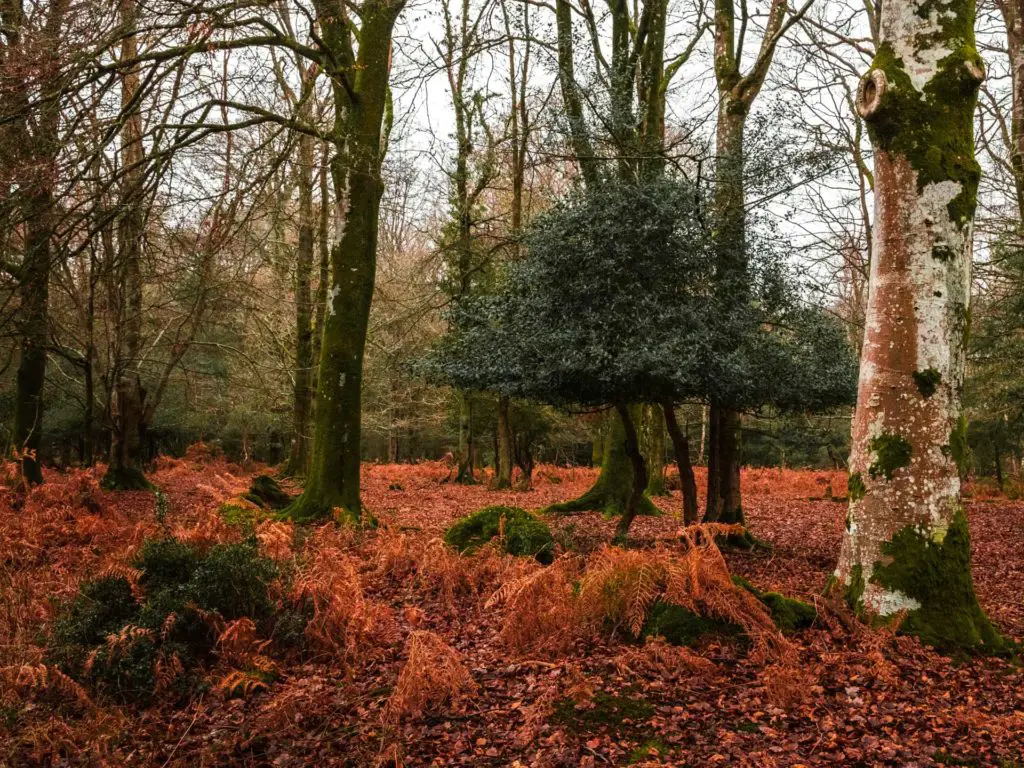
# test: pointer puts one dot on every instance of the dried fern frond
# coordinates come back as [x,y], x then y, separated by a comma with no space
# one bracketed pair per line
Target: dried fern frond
[432,675]
[35,679]
[538,608]
[239,684]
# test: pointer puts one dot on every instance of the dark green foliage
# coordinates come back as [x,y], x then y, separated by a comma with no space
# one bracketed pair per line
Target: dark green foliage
[597,313]
[232,580]
[681,626]
[524,533]
[166,562]
[936,572]
[265,492]
[100,608]
[891,452]
[180,583]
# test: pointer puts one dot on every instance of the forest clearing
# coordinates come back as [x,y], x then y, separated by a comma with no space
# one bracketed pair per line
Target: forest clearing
[842,694]
[511,382]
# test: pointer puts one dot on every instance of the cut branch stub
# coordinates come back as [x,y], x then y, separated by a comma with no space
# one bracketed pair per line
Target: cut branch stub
[976,69]
[870,92]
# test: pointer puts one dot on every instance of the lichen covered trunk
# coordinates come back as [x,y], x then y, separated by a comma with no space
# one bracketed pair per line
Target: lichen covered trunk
[654,450]
[638,467]
[906,547]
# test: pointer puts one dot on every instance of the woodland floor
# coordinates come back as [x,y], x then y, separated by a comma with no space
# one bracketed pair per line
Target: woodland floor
[866,698]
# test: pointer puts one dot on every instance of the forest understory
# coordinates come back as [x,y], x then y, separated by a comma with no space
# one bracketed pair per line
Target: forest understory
[409,656]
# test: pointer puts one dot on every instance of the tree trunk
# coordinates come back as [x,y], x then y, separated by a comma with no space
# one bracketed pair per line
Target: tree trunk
[34,290]
[906,547]
[687,481]
[503,458]
[639,468]
[654,450]
[302,395]
[125,469]
[614,485]
[332,484]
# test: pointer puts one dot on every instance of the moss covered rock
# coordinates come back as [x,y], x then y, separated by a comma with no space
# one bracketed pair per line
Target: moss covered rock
[520,532]
[788,613]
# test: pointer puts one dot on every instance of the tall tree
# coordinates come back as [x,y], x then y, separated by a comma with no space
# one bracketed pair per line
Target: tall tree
[358,63]
[906,547]
[736,93]
[124,471]
[34,75]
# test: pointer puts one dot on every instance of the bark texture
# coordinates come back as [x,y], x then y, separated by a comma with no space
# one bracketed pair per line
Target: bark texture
[360,88]
[906,546]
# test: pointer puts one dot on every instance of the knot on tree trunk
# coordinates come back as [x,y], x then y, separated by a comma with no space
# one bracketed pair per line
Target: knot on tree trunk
[870,92]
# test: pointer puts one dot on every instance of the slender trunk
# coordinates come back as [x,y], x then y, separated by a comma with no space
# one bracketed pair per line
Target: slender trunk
[654,450]
[464,472]
[639,479]
[302,395]
[504,454]
[125,469]
[687,481]
[703,432]
[906,547]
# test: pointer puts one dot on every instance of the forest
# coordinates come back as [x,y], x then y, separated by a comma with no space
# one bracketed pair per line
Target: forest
[511,383]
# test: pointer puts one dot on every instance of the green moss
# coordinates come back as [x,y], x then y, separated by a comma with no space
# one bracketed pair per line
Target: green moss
[681,626]
[855,488]
[524,533]
[264,491]
[959,448]
[125,479]
[650,748]
[789,613]
[936,572]
[934,129]
[609,712]
[891,453]
[927,381]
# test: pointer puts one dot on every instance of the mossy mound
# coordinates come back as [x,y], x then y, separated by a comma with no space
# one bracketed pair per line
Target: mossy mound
[790,614]
[125,479]
[265,492]
[169,614]
[520,532]
[242,512]
[681,626]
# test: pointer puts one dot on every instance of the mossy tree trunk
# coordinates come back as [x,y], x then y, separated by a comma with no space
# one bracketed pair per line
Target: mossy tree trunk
[687,481]
[359,84]
[124,471]
[611,491]
[638,466]
[906,547]
[32,105]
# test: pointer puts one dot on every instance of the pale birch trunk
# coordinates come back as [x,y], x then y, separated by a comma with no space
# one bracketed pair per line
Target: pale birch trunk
[906,546]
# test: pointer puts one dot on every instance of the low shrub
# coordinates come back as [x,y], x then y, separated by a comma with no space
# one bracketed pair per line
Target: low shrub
[518,531]
[266,492]
[130,640]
